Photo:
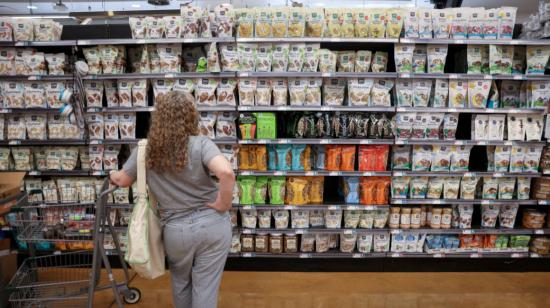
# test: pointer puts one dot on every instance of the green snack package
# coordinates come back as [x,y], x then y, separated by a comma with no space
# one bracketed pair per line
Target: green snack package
[501,242]
[266,125]
[247,126]
[260,190]
[277,190]
[246,189]
[519,241]
[201,65]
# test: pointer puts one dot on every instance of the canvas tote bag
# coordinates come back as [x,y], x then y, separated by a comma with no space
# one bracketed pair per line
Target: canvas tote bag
[145,252]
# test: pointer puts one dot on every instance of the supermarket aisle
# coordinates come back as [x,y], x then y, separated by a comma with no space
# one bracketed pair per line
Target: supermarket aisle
[361,290]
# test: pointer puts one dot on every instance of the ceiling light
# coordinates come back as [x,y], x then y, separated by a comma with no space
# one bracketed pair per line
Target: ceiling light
[32,7]
[136,5]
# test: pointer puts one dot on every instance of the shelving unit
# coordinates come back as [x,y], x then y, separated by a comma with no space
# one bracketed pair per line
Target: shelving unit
[365,43]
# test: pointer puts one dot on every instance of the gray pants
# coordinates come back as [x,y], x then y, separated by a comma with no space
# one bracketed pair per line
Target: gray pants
[196,247]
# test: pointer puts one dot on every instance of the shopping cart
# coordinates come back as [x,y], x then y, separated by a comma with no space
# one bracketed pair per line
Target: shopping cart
[70,279]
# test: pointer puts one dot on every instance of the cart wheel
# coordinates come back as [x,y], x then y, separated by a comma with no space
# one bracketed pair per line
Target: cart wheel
[135,296]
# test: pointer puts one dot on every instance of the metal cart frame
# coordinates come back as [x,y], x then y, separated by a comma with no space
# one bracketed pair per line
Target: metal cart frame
[66,278]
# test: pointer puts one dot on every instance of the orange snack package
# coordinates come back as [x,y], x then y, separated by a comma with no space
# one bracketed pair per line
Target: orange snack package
[297,190]
[373,157]
[381,157]
[261,157]
[348,158]
[244,156]
[333,157]
[316,189]
[367,191]
[382,190]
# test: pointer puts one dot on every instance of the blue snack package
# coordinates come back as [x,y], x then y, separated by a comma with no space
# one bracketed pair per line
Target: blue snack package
[271,157]
[284,157]
[351,189]
[319,157]
[297,152]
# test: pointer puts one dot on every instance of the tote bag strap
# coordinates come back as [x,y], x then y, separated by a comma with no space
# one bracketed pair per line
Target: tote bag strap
[141,169]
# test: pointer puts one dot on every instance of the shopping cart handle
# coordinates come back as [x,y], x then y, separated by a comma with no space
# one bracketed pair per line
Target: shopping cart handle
[105,189]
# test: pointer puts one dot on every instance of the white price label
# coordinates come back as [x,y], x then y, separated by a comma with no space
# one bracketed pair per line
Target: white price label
[365,141]
[248,207]
[535,255]
[140,41]
[469,174]
[543,202]
[246,231]
[169,76]
[247,255]
[299,231]
[326,74]
[34,172]
[278,173]
[518,77]
[453,76]
[399,173]
[467,232]
[245,173]
[438,255]
[283,141]
[324,141]
[34,77]
[401,109]
[396,231]
[261,141]
[508,143]
[395,255]
[475,255]
[498,174]
[57,252]
[282,108]
[244,74]
[333,207]
[485,202]
[405,75]
[14,142]
[334,173]
[516,255]
[459,41]
[397,201]
[487,77]
[453,110]
[401,141]
[95,141]
[489,110]
[356,255]
[98,173]
[481,143]
[325,108]
[513,42]
[459,142]
[289,207]
[539,231]
[368,173]
[348,231]
[304,255]
[437,202]
[310,173]
[336,40]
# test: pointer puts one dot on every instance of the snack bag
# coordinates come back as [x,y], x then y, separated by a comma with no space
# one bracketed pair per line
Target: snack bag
[394,23]
[377,23]
[315,22]
[410,22]
[277,190]
[297,191]
[263,22]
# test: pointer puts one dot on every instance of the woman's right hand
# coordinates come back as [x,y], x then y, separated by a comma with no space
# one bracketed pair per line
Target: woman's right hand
[219,206]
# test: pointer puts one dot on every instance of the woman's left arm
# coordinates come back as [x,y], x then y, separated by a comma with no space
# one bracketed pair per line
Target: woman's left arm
[120,178]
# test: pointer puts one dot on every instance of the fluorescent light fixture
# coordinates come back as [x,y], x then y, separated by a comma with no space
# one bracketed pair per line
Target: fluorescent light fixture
[32,7]
[136,5]
[43,16]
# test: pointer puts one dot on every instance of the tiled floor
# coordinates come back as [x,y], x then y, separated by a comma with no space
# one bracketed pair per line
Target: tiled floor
[361,290]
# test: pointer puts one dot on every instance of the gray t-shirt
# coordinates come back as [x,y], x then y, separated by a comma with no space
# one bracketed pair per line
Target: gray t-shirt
[179,193]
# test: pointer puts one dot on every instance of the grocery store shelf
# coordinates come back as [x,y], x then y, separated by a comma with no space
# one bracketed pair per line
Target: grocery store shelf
[467,142]
[307,207]
[317,108]
[472,110]
[152,108]
[463,201]
[155,41]
[316,141]
[315,40]
[458,254]
[394,231]
[466,174]
[114,141]
[159,76]
[473,42]
[329,255]
[317,74]
[44,142]
[29,110]
[315,173]
[37,77]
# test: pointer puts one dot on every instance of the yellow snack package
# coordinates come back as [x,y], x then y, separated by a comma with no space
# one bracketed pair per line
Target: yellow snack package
[296,22]
[394,23]
[297,191]
[245,22]
[315,22]
[347,28]
[316,189]
[263,20]
[361,18]
[333,19]
[377,23]
[279,23]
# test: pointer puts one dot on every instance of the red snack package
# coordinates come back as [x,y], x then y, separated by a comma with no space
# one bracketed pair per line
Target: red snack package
[333,157]
[382,190]
[348,158]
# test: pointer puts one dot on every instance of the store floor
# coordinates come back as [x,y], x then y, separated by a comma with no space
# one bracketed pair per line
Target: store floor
[361,290]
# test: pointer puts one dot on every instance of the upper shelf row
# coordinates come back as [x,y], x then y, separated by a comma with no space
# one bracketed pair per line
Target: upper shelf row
[119,41]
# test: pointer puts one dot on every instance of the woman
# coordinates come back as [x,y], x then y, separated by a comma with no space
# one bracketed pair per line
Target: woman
[197,229]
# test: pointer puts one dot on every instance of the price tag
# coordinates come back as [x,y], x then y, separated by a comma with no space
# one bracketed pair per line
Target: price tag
[518,77]
[334,173]
[437,202]
[467,231]
[498,174]
[4,110]
[399,173]
[244,74]
[324,141]
[516,255]
[401,141]
[310,173]
[299,231]
[247,207]
[365,141]
[34,77]
[405,75]
[487,77]
[459,41]
[95,141]
[485,202]
[169,76]
[336,40]
[453,76]
[333,207]
[246,173]
[348,231]
[459,142]
[398,201]
[535,255]
[543,202]
[401,109]
[368,173]
[469,174]
[140,41]
[514,42]
[261,141]
[305,255]
[14,142]
[475,255]
[396,231]
[481,143]
[356,255]
[289,207]
[369,207]
[395,255]
[453,110]
[246,231]
[277,173]
[325,108]
[98,173]
[539,231]
[283,141]
[282,108]
[438,255]
[57,252]
[353,207]
[246,255]
[508,143]
[326,74]
[34,172]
